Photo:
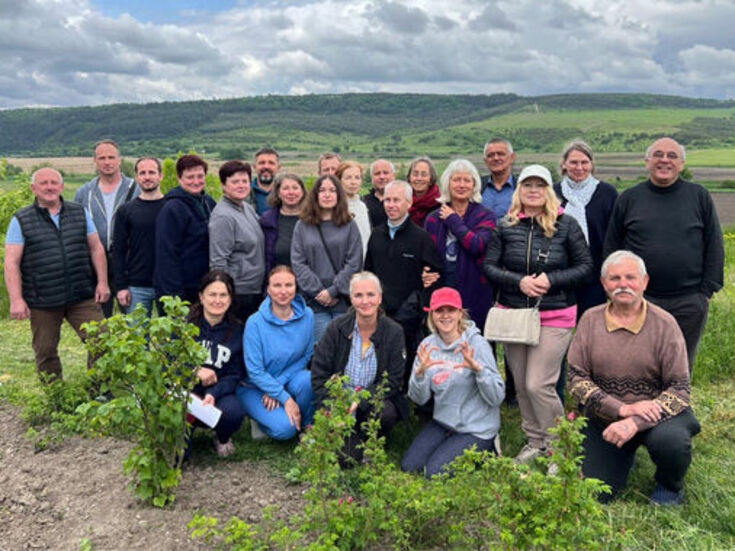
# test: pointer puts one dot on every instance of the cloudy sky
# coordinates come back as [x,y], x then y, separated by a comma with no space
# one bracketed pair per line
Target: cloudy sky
[90,52]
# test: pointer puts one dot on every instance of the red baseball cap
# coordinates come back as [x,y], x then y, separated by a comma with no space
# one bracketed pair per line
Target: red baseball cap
[446,296]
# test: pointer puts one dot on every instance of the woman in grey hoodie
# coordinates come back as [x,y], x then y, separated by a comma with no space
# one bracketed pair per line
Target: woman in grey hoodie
[456,365]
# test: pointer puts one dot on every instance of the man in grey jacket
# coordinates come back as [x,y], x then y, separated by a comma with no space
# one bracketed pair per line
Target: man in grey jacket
[236,241]
[102,196]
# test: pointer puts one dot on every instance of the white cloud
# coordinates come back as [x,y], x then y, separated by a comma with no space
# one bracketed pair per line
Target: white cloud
[66,52]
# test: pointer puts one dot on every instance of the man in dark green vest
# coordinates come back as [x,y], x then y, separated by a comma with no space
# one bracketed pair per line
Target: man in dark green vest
[55,268]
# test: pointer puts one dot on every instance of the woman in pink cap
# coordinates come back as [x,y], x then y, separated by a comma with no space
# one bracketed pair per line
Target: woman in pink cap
[456,365]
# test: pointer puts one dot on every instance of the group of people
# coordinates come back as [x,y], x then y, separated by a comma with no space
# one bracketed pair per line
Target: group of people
[291,285]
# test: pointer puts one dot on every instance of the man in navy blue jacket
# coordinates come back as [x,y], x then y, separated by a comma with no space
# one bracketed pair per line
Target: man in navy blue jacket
[182,237]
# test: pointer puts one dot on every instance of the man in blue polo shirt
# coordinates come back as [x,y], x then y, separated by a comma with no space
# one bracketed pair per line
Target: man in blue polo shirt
[498,186]
[55,268]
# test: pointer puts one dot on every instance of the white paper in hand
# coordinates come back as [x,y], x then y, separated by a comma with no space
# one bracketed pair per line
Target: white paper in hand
[206,413]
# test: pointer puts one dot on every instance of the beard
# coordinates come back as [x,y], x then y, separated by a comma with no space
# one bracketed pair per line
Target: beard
[265,177]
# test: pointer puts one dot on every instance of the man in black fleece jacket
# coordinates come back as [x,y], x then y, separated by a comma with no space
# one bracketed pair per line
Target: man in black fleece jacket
[398,252]
[182,234]
[672,224]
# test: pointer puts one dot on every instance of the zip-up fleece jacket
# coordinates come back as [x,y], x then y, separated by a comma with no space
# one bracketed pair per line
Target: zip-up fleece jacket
[223,342]
[276,349]
[236,245]
[465,401]
[90,196]
[182,242]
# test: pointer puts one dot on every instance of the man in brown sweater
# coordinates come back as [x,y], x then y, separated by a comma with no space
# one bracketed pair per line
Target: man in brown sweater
[628,370]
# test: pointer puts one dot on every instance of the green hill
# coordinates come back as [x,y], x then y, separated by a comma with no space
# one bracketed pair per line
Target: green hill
[370,123]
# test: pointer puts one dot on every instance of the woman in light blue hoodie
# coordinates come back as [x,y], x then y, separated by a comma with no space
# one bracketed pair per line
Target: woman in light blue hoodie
[456,365]
[278,343]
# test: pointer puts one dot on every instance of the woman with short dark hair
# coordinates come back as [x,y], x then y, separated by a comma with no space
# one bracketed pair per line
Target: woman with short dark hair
[236,242]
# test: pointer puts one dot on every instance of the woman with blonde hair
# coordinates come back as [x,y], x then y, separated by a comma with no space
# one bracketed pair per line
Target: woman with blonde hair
[350,176]
[455,365]
[537,256]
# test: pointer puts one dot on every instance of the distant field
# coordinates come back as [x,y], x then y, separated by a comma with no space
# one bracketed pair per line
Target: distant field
[711,157]
[624,120]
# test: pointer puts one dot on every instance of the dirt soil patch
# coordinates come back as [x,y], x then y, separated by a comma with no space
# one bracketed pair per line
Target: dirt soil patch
[54,498]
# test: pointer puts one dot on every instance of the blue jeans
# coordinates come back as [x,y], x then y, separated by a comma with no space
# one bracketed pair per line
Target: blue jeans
[141,295]
[323,316]
[275,423]
[436,446]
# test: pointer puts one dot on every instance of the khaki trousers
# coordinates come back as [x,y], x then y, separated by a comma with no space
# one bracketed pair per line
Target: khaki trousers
[46,331]
[535,371]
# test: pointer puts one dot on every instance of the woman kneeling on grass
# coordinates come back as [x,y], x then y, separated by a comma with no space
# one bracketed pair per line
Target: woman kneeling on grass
[221,334]
[365,345]
[456,365]
[278,341]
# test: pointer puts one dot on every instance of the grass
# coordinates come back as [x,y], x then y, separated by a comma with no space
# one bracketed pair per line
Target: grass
[705,521]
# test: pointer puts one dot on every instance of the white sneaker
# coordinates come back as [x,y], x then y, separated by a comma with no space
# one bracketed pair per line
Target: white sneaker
[529,453]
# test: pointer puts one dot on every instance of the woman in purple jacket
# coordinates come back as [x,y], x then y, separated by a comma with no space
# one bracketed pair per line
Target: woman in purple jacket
[460,228]
[279,222]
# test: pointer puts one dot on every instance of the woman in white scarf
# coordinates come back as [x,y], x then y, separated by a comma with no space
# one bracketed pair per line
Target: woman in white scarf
[590,201]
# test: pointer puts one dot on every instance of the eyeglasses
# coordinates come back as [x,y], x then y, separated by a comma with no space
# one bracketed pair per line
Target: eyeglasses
[325,191]
[498,154]
[670,155]
[533,185]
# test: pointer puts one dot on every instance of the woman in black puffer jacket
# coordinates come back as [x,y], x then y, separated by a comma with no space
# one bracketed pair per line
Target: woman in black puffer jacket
[537,252]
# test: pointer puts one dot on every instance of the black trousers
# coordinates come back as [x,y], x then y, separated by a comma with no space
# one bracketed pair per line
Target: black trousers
[669,444]
[352,450]
[245,306]
[690,312]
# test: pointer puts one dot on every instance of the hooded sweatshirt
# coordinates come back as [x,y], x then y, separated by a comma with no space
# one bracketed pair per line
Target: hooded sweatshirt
[465,401]
[182,242]
[276,349]
[223,342]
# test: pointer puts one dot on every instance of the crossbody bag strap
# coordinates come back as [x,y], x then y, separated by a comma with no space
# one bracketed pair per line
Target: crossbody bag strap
[543,258]
[326,249]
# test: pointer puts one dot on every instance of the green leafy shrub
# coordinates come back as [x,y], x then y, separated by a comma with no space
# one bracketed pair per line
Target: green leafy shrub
[486,503]
[18,195]
[147,366]
[51,413]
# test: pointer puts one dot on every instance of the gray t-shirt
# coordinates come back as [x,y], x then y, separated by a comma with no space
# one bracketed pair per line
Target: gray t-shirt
[108,198]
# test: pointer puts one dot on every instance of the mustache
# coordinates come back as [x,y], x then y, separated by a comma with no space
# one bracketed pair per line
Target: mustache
[623,290]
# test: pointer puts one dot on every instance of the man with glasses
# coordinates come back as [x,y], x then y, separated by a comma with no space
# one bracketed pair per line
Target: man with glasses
[672,224]
[498,186]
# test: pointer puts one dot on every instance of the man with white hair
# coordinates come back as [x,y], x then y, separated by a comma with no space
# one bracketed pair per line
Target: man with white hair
[399,252]
[672,224]
[628,372]
[382,172]
[55,268]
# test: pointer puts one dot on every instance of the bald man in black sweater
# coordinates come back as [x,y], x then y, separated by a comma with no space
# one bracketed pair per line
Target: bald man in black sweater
[672,224]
